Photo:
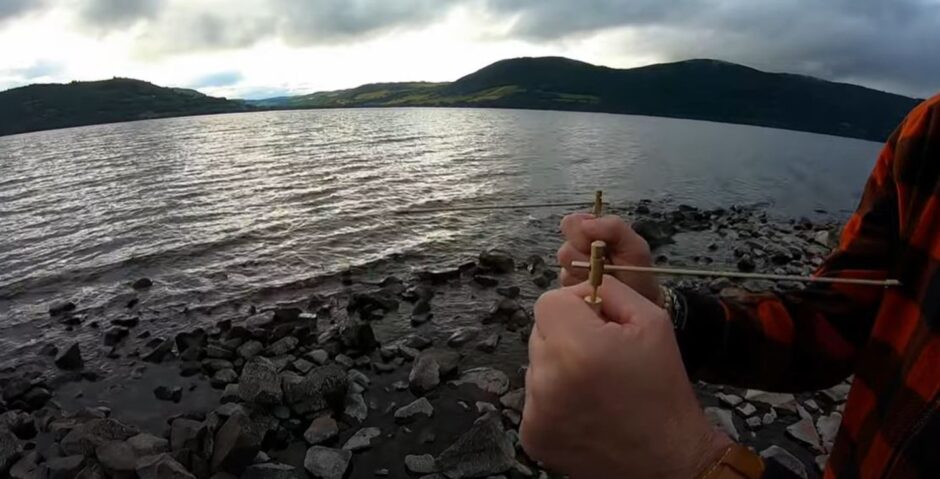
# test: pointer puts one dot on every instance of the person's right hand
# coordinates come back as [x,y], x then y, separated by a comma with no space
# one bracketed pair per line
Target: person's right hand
[624,247]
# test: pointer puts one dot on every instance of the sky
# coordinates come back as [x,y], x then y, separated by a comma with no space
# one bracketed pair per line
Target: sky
[265,48]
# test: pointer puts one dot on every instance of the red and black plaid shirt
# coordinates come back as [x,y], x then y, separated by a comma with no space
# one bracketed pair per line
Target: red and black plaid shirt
[888,338]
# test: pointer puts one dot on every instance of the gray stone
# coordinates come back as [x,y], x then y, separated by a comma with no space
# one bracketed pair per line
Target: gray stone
[159,352]
[425,374]
[165,393]
[746,409]
[781,400]
[213,365]
[730,400]
[417,341]
[838,393]
[85,438]
[259,382]
[117,457]
[356,407]
[230,394]
[423,464]
[161,466]
[344,361]
[362,439]
[490,380]
[419,407]
[10,448]
[282,346]
[62,467]
[321,430]
[236,444]
[25,468]
[302,365]
[785,459]
[272,471]
[483,450]
[828,427]
[821,461]
[463,335]
[187,434]
[250,349]
[358,377]
[722,419]
[319,356]
[489,343]
[805,432]
[514,399]
[497,260]
[323,388]
[326,463]
[70,358]
[16,387]
[144,444]
[485,407]
[754,422]
[19,423]
[224,377]
[769,417]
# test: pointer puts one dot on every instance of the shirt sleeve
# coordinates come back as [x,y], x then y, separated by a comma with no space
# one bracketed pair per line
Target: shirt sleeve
[807,339]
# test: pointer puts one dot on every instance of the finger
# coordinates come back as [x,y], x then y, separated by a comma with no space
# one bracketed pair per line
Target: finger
[562,313]
[613,230]
[573,232]
[567,278]
[568,253]
[619,302]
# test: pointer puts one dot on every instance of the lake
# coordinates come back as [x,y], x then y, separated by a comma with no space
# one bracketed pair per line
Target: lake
[217,208]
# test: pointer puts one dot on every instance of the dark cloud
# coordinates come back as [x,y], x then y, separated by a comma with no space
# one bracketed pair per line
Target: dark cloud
[218,79]
[109,14]
[10,9]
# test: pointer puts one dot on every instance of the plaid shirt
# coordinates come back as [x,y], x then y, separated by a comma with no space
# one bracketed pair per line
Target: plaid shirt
[888,338]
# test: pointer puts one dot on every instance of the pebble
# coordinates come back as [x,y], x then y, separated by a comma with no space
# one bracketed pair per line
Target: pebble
[321,430]
[423,464]
[165,393]
[362,439]
[828,428]
[730,400]
[805,432]
[514,399]
[489,343]
[746,409]
[419,407]
[490,380]
[786,459]
[319,356]
[70,358]
[326,463]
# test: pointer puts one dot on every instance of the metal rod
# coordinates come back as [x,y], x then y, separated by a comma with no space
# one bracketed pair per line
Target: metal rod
[598,203]
[733,274]
[490,207]
[598,252]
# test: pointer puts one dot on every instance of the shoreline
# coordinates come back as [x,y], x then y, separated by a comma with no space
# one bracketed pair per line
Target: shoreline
[329,385]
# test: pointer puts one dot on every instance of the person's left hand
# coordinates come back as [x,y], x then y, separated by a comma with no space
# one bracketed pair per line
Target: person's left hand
[608,397]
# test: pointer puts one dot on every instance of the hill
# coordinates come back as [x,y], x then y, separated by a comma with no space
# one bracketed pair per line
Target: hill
[696,89]
[47,106]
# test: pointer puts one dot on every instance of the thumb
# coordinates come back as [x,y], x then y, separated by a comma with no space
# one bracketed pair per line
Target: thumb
[622,304]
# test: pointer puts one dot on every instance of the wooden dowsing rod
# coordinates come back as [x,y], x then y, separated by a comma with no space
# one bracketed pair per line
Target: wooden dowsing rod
[734,274]
[490,207]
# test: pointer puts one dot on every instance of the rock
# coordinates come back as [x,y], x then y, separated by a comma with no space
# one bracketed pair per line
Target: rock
[114,335]
[838,393]
[425,374]
[219,351]
[117,457]
[419,407]
[161,466]
[25,468]
[321,430]
[319,356]
[362,439]
[656,232]
[485,407]
[358,377]
[324,387]
[158,353]
[165,393]
[302,365]
[10,449]
[754,422]
[19,423]
[236,444]
[260,383]
[490,380]
[212,365]
[447,359]
[417,341]
[463,336]
[272,471]
[142,283]
[327,463]
[231,393]
[483,450]
[187,434]
[822,237]
[282,346]
[828,427]
[62,467]
[514,399]
[60,308]
[485,281]
[489,343]
[821,461]
[785,459]
[782,400]
[357,335]
[769,417]
[144,444]
[356,407]
[85,438]
[729,400]
[805,432]
[497,260]
[510,292]
[722,419]
[423,464]
[16,387]
[344,361]
[746,264]
[746,409]
[223,377]
[70,359]
[249,349]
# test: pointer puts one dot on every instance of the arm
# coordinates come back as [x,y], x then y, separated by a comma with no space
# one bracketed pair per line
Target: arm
[808,339]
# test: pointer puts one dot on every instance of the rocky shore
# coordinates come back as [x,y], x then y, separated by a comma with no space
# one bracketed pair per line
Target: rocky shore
[318,388]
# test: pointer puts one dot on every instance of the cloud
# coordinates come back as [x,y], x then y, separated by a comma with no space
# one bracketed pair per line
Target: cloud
[219,79]
[10,9]
[105,15]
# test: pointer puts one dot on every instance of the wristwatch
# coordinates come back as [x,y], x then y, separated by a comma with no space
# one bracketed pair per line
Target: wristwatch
[736,462]
[674,304]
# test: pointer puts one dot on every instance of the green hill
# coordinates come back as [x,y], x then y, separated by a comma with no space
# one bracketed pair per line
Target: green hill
[48,106]
[695,89]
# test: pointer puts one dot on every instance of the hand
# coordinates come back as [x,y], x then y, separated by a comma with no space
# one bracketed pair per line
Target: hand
[624,247]
[608,397]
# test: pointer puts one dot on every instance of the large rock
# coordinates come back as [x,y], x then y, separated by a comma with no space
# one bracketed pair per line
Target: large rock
[514,400]
[159,352]
[828,427]
[62,467]
[425,374]
[786,459]
[194,339]
[805,431]
[355,407]
[656,233]
[490,380]
[70,358]
[326,463]
[10,449]
[16,387]
[282,346]
[272,470]
[419,407]
[19,423]
[260,383]
[362,439]
[25,468]
[145,444]
[497,260]
[323,388]
[117,457]
[85,438]
[357,335]
[187,434]
[236,444]
[322,429]
[161,466]
[482,451]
